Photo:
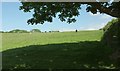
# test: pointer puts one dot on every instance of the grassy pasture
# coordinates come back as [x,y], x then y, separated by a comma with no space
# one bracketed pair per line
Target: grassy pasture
[64,50]
[17,40]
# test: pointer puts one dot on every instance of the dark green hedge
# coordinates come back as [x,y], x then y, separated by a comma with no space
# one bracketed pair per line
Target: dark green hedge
[111,35]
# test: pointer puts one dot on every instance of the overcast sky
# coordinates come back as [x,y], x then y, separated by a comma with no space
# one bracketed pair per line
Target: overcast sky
[13,18]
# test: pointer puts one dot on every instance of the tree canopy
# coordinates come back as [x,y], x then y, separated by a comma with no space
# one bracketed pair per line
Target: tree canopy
[35,30]
[18,31]
[66,11]
[111,35]
[110,23]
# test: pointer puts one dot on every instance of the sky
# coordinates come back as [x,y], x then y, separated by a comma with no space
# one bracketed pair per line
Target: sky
[13,18]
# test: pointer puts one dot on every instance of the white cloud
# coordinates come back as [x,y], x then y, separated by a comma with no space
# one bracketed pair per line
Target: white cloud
[102,25]
[104,16]
[66,29]
[91,29]
[94,26]
[91,14]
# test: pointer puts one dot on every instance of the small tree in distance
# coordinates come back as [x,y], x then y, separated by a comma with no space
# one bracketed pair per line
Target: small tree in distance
[18,31]
[35,31]
[76,30]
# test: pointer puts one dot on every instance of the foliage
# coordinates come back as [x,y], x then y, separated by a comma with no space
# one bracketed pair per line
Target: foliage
[109,24]
[111,33]
[111,38]
[18,31]
[53,31]
[1,31]
[66,11]
[35,30]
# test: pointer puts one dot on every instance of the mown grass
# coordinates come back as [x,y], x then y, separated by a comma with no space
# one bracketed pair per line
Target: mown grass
[67,50]
[16,40]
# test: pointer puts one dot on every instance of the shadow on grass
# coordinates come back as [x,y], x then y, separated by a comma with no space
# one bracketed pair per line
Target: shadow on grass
[80,55]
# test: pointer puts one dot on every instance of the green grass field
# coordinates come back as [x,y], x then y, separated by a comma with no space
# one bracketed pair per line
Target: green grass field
[64,50]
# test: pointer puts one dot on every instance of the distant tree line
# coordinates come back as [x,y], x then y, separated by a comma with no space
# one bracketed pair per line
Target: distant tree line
[35,31]
[21,31]
[25,31]
[31,31]
[18,31]
[54,31]
[1,32]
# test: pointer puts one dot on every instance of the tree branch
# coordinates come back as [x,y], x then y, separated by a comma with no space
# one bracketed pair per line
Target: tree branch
[102,9]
